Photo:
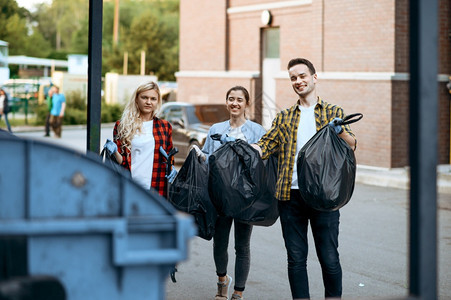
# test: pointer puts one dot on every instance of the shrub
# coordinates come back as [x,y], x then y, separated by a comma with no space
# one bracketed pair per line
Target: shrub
[41,114]
[76,110]
[74,116]
[111,112]
[76,100]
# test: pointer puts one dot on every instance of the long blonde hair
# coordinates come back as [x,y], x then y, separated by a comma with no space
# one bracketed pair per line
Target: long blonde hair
[131,121]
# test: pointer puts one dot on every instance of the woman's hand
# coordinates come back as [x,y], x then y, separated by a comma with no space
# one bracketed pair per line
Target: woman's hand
[172,175]
[110,146]
[225,138]
[199,153]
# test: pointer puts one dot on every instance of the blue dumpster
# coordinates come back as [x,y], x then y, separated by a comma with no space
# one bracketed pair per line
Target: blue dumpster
[88,225]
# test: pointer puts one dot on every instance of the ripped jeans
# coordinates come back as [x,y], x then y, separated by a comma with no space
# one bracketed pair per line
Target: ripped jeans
[242,249]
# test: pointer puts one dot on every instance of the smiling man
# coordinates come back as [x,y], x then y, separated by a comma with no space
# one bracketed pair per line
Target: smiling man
[290,130]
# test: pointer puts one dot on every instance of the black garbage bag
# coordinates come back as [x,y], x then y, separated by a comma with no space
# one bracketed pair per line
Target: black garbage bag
[265,210]
[326,169]
[110,160]
[237,179]
[189,193]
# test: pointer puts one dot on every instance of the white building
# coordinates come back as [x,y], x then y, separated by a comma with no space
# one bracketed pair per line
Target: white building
[4,70]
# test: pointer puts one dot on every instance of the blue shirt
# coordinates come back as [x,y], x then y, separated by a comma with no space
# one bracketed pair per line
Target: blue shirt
[251,130]
[57,102]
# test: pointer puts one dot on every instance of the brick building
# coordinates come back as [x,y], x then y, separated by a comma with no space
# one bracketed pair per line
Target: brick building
[359,48]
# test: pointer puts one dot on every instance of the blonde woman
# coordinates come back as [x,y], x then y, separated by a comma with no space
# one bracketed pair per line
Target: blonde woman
[137,138]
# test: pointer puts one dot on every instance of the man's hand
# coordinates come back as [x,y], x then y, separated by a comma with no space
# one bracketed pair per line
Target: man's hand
[337,128]
[199,153]
[110,146]
[225,138]
[257,147]
[172,175]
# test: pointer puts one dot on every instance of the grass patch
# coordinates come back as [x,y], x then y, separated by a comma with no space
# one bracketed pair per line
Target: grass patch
[18,121]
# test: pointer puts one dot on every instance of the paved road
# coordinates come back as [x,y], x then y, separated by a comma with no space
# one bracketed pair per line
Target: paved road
[73,137]
[373,247]
[373,250]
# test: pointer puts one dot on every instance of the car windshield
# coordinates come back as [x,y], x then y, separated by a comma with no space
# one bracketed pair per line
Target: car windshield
[208,114]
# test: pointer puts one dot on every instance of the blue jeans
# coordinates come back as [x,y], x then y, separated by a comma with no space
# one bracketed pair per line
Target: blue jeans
[242,249]
[6,122]
[294,218]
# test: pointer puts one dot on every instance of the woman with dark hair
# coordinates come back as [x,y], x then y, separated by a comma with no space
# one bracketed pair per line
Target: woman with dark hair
[237,127]
[138,136]
[4,108]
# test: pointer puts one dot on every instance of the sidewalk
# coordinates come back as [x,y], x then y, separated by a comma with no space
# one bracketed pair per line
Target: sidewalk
[29,128]
[399,177]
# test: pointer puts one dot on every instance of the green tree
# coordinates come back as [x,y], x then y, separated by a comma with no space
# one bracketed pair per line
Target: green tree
[9,8]
[12,25]
[46,24]
[15,33]
[155,31]
[60,21]
[19,32]
[80,40]
[57,29]
[36,45]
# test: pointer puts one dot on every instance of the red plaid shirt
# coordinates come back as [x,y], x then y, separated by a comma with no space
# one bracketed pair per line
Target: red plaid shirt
[162,133]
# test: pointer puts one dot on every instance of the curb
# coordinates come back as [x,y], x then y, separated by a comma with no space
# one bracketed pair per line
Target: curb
[65,127]
[399,178]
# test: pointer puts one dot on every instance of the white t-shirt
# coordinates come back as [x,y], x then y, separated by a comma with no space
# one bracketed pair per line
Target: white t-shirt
[2,100]
[306,129]
[142,151]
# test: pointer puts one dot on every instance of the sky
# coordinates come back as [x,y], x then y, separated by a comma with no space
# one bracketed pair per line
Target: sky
[29,4]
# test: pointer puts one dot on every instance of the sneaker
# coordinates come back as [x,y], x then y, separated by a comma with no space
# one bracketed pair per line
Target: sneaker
[223,289]
[237,297]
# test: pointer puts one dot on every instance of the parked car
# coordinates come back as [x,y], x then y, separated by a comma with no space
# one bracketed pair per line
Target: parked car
[190,123]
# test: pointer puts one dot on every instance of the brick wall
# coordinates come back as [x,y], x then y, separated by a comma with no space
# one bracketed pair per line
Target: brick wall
[244,46]
[300,33]
[399,124]
[360,38]
[444,124]
[364,37]
[445,36]
[401,62]
[202,35]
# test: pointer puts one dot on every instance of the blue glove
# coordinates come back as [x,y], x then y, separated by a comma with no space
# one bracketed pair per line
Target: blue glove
[338,129]
[110,146]
[171,176]
[225,138]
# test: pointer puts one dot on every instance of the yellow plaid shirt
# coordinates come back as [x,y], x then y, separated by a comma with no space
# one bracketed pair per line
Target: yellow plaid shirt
[282,136]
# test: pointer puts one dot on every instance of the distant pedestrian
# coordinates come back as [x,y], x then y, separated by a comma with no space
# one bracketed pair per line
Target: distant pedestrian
[57,111]
[48,102]
[290,130]
[137,137]
[4,108]
[237,127]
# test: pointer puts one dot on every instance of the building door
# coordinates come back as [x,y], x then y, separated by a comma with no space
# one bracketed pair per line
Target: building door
[270,68]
